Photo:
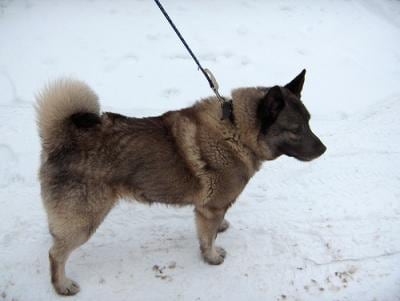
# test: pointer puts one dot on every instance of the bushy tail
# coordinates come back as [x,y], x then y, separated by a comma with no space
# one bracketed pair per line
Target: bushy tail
[56,103]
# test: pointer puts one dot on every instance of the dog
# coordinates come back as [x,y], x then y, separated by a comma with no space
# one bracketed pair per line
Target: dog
[90,160]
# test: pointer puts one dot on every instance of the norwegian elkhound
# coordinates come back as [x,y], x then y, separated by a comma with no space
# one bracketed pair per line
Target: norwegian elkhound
[91,160]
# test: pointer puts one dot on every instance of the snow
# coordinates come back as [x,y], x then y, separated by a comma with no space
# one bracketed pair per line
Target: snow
[325,230]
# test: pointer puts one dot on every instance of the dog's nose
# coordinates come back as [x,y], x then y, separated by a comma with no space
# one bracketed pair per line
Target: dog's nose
[322,149]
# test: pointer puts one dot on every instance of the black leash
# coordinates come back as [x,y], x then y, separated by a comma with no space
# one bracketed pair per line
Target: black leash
[227,107]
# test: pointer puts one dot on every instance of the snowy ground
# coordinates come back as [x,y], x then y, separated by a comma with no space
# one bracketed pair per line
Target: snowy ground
[327,230]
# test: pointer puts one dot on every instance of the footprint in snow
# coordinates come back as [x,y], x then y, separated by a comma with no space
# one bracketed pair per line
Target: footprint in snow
[341,280]
[314,287]
[334,283]
[160,271]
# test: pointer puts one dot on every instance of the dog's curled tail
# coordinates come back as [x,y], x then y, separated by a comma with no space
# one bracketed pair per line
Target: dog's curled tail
[57,103]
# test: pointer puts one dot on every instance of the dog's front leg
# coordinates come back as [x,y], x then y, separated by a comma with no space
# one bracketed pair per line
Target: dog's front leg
[208,220]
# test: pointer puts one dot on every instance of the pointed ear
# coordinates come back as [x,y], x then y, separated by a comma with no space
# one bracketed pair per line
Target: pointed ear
[296,85]
[269,108]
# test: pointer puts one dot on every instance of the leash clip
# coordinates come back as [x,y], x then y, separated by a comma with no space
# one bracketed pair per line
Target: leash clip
[214,84]
[226,105]
[211,76]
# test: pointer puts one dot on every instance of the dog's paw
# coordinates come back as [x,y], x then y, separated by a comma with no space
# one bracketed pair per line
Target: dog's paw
[224,226]
[215,256]
[221,251]
[67,287]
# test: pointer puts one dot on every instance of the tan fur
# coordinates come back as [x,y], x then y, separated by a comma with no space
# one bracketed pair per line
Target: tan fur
[185,157]
[58,101]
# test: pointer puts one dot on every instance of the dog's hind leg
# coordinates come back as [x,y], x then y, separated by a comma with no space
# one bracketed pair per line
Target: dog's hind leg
[70,230]
[223,226]
[208,221]
[62,247]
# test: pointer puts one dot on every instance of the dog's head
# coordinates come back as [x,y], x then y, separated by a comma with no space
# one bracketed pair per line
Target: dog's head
[284,123]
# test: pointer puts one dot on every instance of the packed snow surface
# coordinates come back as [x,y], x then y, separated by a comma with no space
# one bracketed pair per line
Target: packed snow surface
[325,230]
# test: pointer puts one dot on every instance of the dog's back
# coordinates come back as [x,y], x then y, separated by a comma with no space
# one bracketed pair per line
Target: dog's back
[134,157]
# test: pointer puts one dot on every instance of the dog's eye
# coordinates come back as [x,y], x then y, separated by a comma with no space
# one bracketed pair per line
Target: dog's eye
[294,137]
[296,129]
